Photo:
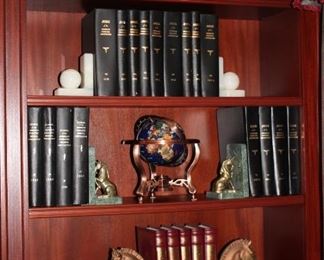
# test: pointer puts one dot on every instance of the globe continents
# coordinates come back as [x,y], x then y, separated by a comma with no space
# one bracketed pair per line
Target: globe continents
[165,141]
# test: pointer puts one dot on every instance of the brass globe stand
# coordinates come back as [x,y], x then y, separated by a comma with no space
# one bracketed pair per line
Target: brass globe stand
[149,181]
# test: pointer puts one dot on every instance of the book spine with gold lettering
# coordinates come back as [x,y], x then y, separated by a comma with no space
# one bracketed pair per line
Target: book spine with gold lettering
[209,55]
[156,52]
[266,150]
[252,131]
[80,175]
[280,149]
[209,241]
[122,51]
[196,68]
[49,154]
[172,54]
[185,241]
[186,35]
[197,242]
[35,156]
[99,37]
[294,149]
[144,53]
[64,132]
[152,243]
[133,36]
[173,243]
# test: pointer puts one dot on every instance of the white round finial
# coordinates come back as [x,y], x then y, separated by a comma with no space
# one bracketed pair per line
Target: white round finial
[70,78]
[231,80]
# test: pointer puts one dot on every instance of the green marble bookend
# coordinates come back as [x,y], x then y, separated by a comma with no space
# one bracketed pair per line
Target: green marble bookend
[238,185]
[94,198]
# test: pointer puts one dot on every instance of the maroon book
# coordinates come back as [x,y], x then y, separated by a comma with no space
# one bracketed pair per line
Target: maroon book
[152,243]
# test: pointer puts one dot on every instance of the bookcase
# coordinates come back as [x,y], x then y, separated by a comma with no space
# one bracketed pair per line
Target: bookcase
[275,51]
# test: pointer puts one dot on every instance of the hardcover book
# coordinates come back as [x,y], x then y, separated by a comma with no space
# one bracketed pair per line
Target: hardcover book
[144,53]
[64,125]
[172,54]
[134,30]
[80,175]
[152,243]
[294,150]
[99,36]
[266,150]
[280,149]
[173,242]
[253,150]
[197,242]
[122,51]
[156,53]
[49,154]
[209,55]
[196,68]
[210,234]
[35,156]
[185,241]
[186,34]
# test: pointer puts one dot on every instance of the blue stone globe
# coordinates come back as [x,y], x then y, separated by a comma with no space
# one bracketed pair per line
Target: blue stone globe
[165,146]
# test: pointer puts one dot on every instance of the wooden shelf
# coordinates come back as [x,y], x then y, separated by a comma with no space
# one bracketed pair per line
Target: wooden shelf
[168,204]
[161,101]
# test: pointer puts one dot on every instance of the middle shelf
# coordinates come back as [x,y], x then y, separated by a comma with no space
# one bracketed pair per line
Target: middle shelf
[164,204]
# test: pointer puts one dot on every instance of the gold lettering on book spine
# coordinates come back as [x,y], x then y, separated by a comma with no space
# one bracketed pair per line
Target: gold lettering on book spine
[161,254]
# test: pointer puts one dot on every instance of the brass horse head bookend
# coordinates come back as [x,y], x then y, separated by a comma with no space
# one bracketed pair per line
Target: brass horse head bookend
[239,249]
[125,254]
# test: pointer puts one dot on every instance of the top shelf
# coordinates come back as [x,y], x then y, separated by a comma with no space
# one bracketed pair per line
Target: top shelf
[86,5]
[35,100]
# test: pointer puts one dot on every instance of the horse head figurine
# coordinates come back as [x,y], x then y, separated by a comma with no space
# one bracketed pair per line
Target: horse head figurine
[238,250]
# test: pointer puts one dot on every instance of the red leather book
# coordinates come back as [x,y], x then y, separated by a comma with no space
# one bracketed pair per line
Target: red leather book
[210,247]
[173,243]
[197,242]
[152,243]
[185,241]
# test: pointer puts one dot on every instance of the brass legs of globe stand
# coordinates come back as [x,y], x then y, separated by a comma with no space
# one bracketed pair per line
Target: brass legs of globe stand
[149,181]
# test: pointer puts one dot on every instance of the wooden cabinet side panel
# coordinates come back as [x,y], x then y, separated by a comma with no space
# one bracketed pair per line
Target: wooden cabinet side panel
[13,174]
[309,31]
[3,210]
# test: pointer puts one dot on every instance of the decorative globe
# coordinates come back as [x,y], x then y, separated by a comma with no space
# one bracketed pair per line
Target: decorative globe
[166,138]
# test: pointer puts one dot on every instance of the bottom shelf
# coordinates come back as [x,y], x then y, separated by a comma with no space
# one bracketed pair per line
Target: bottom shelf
[274,225]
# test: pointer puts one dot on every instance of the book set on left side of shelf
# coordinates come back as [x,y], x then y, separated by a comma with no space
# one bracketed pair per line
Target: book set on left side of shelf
[272,138]
[58,156]
[152,52]
[182,242]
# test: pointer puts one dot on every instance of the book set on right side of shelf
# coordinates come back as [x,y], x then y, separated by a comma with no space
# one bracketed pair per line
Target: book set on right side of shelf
[279,137]
[152,52]
[272,138]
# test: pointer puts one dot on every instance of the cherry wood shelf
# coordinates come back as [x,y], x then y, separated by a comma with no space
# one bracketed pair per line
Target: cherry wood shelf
[266,42]
[163,205]
[161,101]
